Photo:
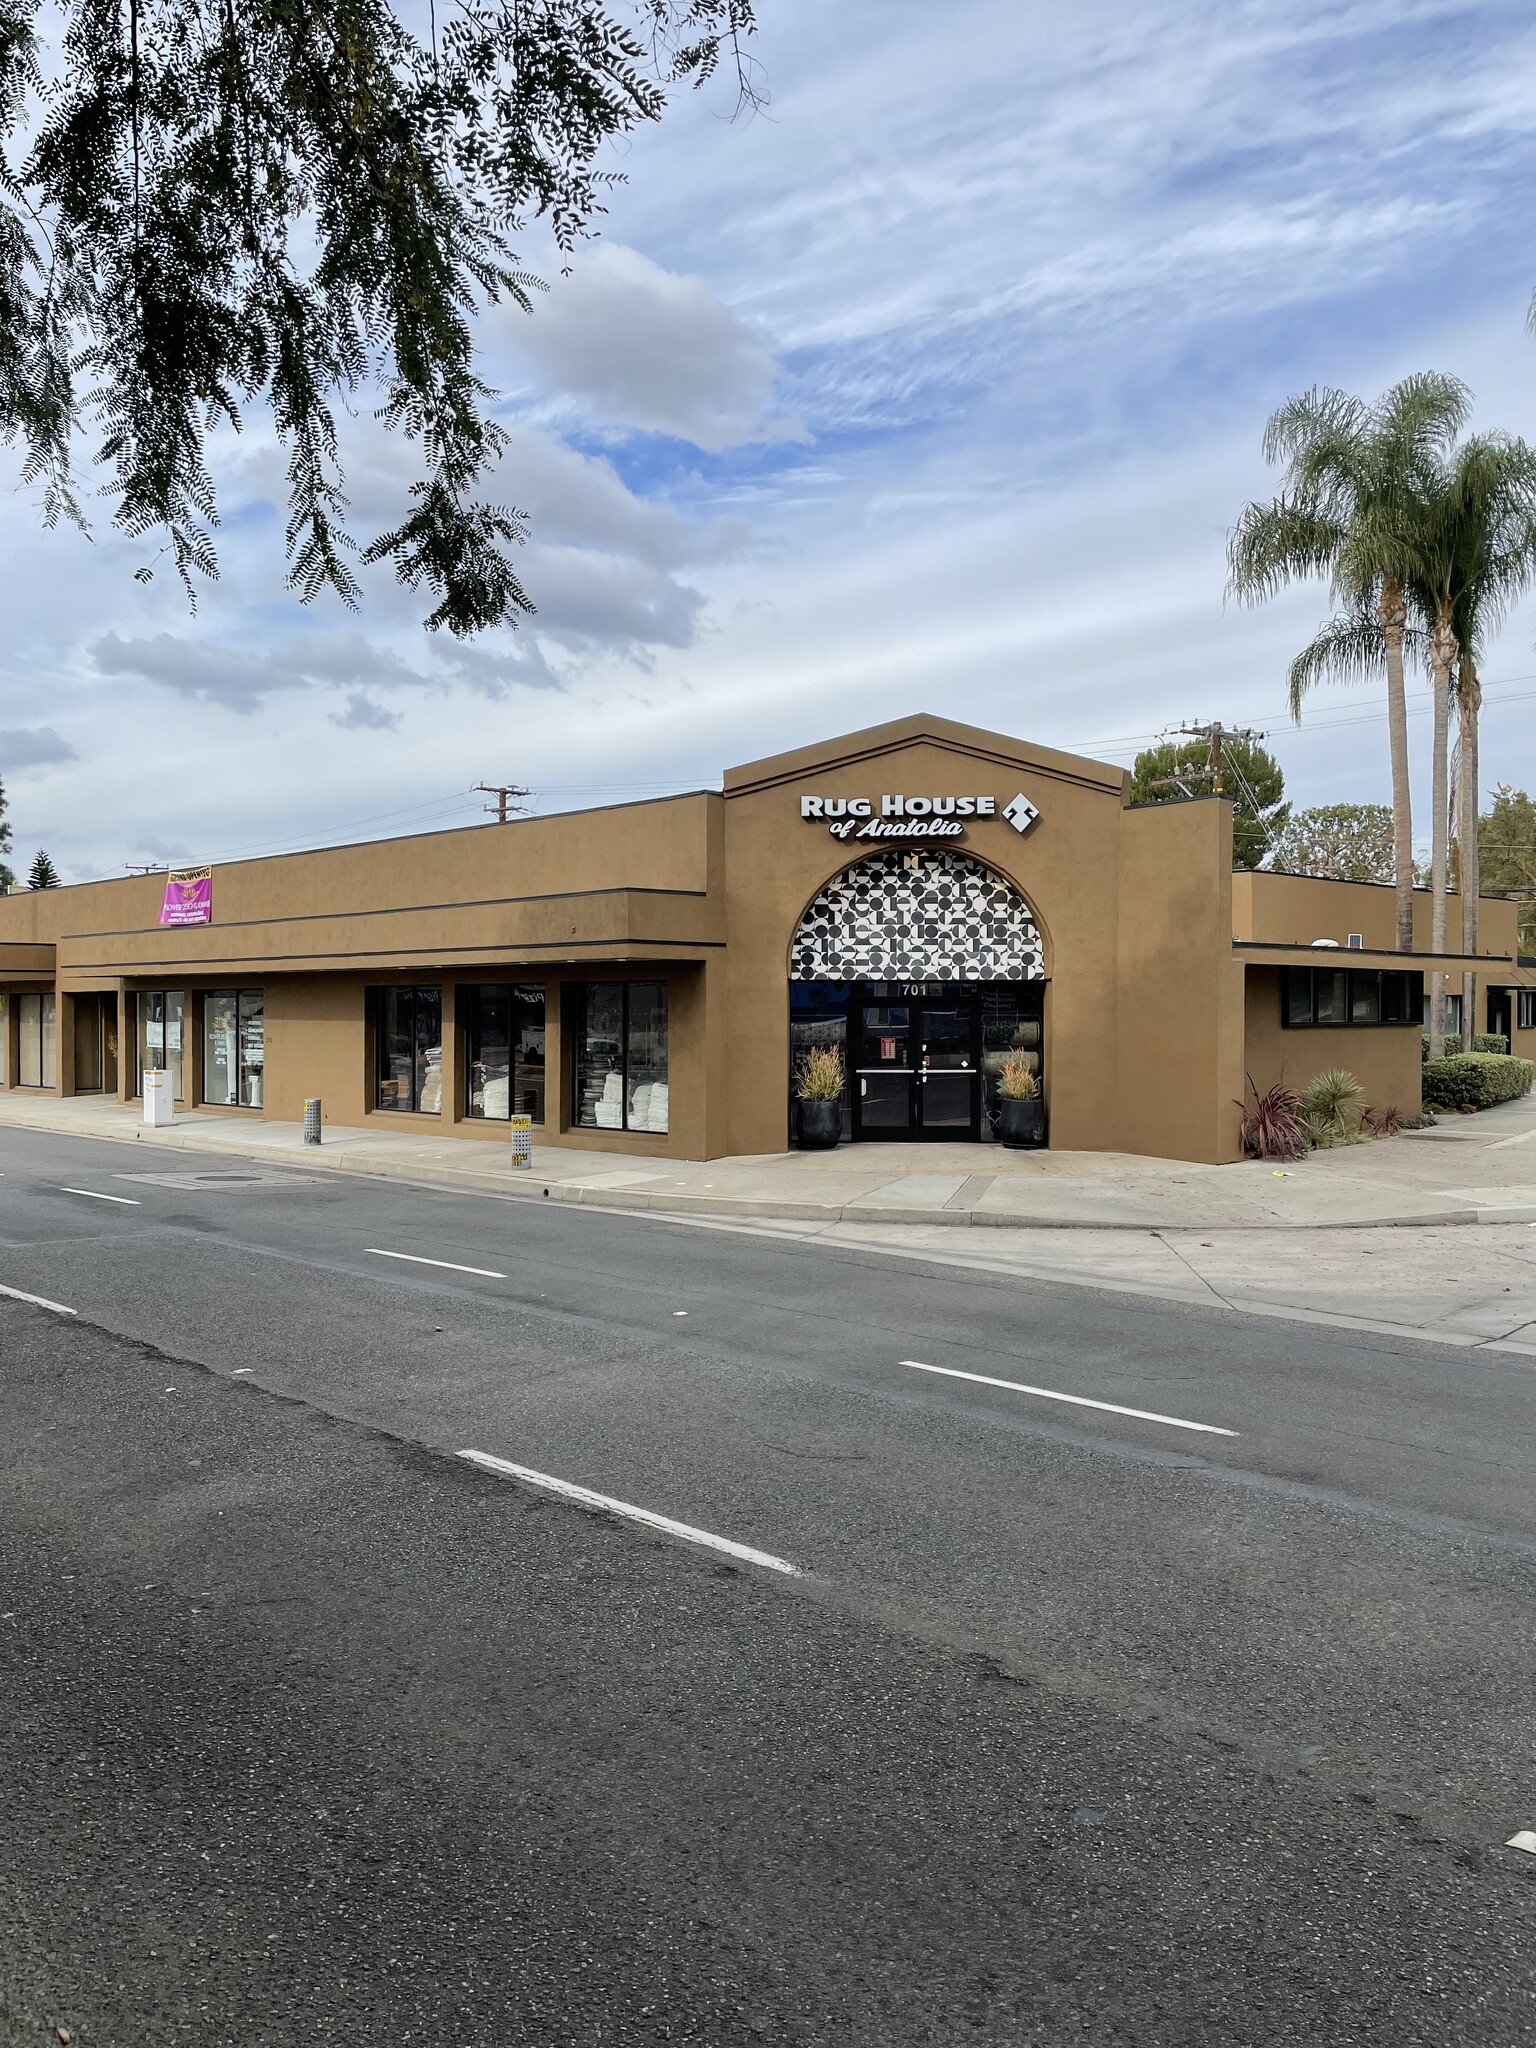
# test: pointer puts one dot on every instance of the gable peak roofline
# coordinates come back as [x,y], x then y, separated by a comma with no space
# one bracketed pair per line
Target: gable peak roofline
[925,728]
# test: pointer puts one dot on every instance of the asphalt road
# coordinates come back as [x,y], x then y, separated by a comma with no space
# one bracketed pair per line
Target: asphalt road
[1073,1723]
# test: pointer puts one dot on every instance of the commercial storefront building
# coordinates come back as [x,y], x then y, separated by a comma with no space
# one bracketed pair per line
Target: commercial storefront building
[639,979]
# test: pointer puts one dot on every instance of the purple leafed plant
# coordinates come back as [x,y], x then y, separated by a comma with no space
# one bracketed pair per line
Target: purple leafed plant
[1271,1127]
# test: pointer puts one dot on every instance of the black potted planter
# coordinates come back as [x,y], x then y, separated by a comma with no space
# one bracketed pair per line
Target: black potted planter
[1018,1119]
[821,1125]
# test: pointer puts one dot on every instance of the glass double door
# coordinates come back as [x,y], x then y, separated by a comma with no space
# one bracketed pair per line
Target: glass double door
[916,1069]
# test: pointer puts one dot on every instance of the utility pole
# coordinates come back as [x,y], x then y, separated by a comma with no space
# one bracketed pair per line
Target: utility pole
[1217,734]
[508,799]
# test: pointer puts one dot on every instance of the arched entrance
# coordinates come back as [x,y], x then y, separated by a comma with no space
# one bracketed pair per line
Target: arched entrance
[926,968]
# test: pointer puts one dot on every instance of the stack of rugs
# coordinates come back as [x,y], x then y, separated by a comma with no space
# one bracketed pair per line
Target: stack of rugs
[647,1106]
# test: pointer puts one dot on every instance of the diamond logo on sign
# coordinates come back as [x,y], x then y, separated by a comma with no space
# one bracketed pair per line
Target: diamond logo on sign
[1021,813]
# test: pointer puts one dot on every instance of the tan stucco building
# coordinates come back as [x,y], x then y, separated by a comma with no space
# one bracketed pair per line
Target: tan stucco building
[639,979]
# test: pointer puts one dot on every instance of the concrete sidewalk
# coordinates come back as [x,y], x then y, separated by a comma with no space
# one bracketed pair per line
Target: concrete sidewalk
[1479,1169]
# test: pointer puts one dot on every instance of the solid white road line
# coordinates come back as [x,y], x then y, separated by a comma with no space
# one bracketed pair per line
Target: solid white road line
[1076,1400]
[38,1301]
[126,1201]
[446,1265]
[588,1499]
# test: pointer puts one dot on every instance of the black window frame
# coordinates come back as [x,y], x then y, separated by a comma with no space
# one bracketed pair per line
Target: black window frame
[1525,1009]
[415,991]
[1398,997]
[578,1011]
[469,998]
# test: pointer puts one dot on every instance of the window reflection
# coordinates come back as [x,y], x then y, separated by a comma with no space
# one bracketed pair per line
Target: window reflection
[410,1050]
[621,1056]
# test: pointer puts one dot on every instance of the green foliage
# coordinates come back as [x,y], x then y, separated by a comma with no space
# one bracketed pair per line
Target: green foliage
[1345,842]
[1475,1080]
[1490,1041]
[1452,1044]
[1328,1106]
[43,874]
[1506,841]
[205,207]
[1251,776]
[1351,511]
[7,840]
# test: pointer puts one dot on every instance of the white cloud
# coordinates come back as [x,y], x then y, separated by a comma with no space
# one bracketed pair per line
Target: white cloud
[1034,279]
[643,347]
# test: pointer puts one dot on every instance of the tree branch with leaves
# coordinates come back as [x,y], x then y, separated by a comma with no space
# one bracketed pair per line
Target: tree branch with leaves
[207,208]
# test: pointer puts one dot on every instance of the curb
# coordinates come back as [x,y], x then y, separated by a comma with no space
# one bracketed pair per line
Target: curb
[742,1208]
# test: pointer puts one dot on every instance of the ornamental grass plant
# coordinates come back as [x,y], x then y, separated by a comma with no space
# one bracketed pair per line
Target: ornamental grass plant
[1016,1079]
[819,1074]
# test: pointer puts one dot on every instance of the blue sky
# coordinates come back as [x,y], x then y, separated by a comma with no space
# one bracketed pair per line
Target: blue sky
[936,385]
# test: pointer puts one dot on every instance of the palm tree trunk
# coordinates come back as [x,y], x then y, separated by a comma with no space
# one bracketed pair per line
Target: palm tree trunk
[1469,702]
[1442,653]
[1394,616]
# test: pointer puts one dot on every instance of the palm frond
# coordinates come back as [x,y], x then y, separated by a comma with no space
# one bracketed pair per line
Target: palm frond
[1350,648]
[1279,543]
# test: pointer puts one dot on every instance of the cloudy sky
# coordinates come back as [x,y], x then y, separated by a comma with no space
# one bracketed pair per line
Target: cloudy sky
[934,386]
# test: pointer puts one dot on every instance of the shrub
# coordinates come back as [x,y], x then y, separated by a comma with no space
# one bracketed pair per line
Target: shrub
[819,1075]
[1453,1046]
[1475,1080]
[1016,1079]
[1381,1123]
[1326,1104]
[1490,1041]
[1271,1129]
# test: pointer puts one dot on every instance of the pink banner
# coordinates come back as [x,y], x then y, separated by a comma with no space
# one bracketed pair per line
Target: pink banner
[188,897]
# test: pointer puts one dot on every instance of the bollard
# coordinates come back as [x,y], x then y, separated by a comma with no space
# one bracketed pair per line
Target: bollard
[522,1141]
[312,1120]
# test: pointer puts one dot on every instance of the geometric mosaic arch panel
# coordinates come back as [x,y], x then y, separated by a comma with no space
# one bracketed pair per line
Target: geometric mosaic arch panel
[917,915]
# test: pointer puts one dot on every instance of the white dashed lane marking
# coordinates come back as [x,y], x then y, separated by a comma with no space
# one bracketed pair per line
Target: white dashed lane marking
[123,1201]
[38,1301]
[585,1497]
[982,1379]
[444,1265]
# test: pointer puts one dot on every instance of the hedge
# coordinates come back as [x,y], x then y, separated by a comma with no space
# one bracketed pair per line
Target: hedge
[1475,1080]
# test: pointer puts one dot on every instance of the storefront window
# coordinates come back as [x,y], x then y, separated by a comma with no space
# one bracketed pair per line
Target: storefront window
[1012,1021]
[234,1047]
[818,1016]
[36,1016]
[505,1041]
[162,1020]
[410,1050]
[621,1056]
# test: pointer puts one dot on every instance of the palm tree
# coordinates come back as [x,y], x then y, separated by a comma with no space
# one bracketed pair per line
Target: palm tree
[1352,509]
[1485,559]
